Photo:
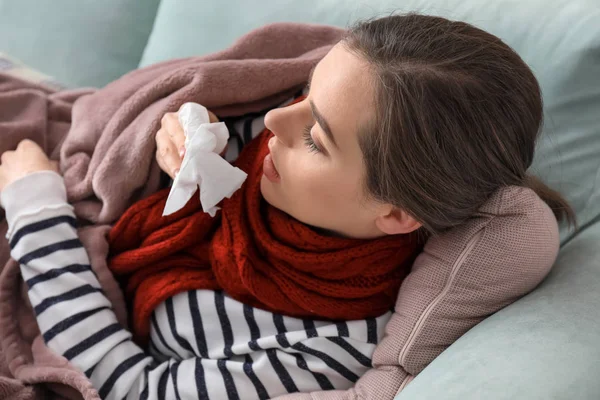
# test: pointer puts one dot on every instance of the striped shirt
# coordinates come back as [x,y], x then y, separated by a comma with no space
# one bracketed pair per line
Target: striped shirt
[203,344]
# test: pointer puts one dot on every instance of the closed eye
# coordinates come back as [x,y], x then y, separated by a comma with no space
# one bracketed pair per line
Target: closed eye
[309,141]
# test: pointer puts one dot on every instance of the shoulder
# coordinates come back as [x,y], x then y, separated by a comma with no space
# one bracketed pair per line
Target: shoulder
[512,241]
[521,219]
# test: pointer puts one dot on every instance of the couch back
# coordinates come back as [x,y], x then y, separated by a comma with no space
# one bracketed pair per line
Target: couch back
[78,42]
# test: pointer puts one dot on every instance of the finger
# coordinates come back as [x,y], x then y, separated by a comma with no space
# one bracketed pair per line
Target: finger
[168,168]
[30,150]
[170,123]
[166,153]
[212,117]
[6,156]
[27,144]
[162,165]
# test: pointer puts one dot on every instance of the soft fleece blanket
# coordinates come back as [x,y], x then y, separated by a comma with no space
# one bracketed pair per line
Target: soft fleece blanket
[98,134]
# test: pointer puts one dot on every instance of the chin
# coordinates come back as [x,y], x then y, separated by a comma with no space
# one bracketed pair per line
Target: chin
[267,191]
[272,194]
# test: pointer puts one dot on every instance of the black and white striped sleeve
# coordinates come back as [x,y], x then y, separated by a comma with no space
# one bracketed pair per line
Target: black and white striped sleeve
[74,316]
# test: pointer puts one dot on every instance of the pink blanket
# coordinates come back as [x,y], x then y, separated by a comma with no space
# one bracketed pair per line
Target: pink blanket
[98,134]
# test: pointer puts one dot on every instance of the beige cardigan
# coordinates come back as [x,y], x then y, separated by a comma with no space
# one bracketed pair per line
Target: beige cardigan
[462,277]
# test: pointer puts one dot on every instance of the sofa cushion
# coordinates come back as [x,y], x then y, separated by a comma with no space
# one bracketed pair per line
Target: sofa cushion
[80,43]
[11,66]
[544,346]
[559,39]
[188,28]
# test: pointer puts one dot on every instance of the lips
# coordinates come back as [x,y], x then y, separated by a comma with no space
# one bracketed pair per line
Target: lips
[269,169]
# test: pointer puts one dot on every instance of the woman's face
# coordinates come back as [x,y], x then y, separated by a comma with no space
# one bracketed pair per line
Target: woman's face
[319,168]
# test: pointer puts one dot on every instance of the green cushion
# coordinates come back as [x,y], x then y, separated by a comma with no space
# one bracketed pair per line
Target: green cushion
[188,28]
[78,42]
[544,346]
[560,39]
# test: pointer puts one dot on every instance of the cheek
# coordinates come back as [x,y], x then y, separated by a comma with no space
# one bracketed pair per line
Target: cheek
[320,182]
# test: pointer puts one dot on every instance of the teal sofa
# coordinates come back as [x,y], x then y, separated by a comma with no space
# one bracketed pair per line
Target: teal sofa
[544,346]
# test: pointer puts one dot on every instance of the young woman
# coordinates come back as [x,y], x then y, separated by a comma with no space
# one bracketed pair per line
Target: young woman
[410,123]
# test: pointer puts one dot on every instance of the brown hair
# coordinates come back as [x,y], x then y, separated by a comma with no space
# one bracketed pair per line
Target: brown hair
[458,115]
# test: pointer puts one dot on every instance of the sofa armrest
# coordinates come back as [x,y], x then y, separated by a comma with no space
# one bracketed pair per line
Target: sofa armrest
[544,346]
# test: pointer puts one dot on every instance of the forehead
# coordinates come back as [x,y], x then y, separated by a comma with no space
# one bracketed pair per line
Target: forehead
[342,91]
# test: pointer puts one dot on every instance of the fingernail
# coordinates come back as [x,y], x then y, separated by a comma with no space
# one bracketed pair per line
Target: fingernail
[181,151]
[176,172]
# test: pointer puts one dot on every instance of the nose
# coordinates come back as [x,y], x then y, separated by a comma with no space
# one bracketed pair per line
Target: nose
[286,123]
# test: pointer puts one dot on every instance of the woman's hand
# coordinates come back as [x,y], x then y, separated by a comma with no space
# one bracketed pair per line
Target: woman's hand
[26,159]
[170,141]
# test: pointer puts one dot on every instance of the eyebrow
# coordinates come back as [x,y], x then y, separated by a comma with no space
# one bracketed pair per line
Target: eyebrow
[318,116]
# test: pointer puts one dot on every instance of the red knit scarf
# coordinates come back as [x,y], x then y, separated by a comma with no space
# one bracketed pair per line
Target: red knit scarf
[254,252]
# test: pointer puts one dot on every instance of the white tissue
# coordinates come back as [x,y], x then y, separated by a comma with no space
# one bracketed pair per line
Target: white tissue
[202,164]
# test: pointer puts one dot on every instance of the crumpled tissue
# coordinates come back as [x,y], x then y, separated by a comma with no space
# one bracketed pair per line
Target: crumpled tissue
[202,163]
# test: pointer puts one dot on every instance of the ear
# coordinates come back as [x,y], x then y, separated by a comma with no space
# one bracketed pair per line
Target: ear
[396,221]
